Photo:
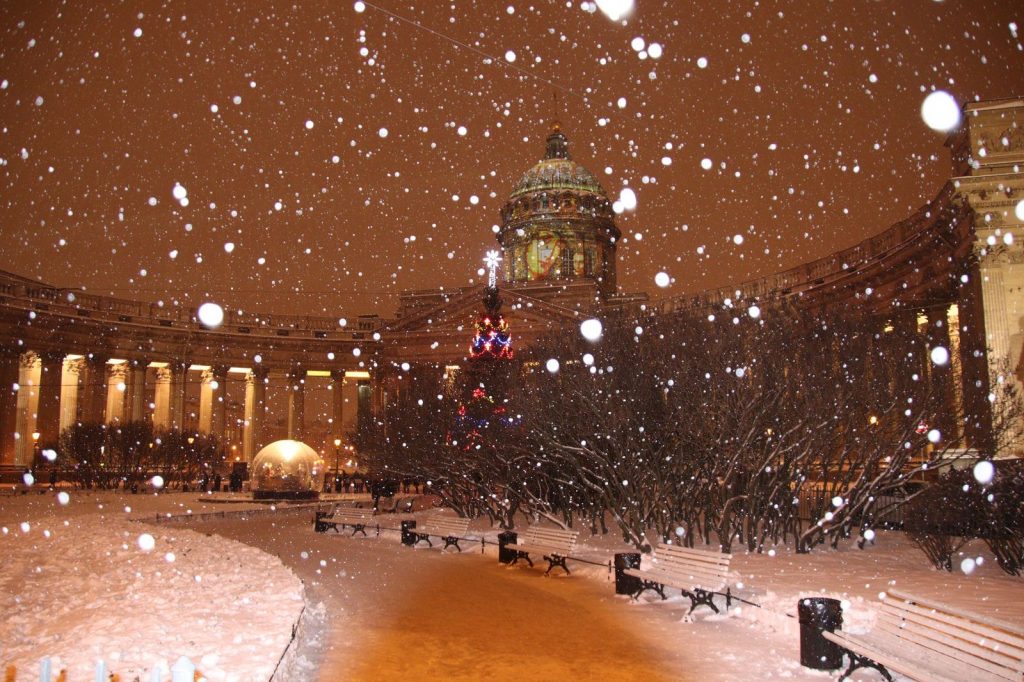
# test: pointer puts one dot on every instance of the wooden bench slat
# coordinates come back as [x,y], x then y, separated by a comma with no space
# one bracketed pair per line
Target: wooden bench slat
[946,663]
[965,629]
[971,642]
[699,574]
[981,627]
[895,661]
[940,636]
[708,584]
[675,553]
[555,544]
[542,549]
[940,646]
[686,575]
[1011,628]
[928,640]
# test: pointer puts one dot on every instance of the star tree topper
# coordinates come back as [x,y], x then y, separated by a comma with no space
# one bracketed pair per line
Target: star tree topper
[491,260]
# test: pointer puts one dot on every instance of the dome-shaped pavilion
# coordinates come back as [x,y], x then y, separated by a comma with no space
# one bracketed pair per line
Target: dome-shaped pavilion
[286,469]
[558,223]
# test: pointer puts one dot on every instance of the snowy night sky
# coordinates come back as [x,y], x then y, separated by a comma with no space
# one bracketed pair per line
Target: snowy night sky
[337,153]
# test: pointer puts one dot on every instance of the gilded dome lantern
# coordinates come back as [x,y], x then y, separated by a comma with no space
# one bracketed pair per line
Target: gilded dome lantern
[558,223]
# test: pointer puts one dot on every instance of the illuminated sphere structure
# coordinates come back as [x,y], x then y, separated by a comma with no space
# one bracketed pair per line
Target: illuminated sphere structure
[286,469]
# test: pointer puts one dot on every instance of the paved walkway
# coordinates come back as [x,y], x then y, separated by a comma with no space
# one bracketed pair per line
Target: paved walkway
[395,613]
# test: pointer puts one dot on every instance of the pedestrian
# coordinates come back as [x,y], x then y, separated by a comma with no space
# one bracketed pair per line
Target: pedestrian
[217,480]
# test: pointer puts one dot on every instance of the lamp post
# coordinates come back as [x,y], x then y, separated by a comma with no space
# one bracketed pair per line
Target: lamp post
[35,451]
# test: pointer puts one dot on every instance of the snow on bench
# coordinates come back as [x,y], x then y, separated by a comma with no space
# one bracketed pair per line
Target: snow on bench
[449,528]
[927,640]
[699,573]
[554,544]
[344,516]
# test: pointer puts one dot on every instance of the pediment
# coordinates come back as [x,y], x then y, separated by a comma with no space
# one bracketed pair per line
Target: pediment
[458,311]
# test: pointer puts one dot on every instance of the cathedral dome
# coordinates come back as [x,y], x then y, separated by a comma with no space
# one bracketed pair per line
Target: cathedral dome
[557,175]
[557,172]
[558,223]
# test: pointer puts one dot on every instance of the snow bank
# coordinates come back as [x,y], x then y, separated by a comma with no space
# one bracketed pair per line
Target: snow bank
[85,587]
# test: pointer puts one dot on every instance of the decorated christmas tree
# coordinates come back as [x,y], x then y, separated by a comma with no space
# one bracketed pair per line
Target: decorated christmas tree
[483,404]
[492,338]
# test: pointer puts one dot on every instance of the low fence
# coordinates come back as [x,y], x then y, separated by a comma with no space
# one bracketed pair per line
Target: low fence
[183,670]
[887,511]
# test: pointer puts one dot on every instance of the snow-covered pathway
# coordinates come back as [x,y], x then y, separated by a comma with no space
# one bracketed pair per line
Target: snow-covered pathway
[391,612]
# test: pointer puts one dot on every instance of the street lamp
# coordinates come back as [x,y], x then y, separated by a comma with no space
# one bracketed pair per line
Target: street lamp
[35,450]
[337,455]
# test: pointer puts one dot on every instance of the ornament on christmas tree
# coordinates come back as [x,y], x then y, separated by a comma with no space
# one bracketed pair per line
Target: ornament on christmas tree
[492,338]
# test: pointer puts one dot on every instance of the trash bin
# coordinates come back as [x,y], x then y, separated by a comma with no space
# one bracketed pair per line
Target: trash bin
[318,521]
[505,555]
[408,537]
[817,614]
[626,584]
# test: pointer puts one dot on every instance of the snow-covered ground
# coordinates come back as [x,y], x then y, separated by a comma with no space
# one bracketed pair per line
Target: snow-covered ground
[377,609]
[81,582]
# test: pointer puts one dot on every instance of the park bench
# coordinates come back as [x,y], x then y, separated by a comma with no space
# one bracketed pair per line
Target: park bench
[449,528]
[355,517]
[699,573]
[927,640]
[554,544]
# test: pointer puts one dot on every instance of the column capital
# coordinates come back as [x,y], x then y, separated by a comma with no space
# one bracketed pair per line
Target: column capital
[260,372]
[52,356]
[75,366]
[338,374]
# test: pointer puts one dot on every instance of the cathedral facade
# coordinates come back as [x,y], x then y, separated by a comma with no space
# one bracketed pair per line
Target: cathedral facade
[950,271]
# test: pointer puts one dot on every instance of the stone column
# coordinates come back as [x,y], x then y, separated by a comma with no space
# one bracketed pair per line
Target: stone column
[219,405]
[997,324]
[941,376]
[179,386]
[206,398]
[135,400]
[297,403]
[977,410]
[48,420]
[255,410]
[9,369]
[162,399]
[69,393]
[337,404]
[28,403]
[94,387]
[117,387]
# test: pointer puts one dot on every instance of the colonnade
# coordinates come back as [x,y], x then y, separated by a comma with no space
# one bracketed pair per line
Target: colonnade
[45,393]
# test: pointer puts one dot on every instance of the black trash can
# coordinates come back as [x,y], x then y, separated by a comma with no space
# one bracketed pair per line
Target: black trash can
[816,615]
[318,521]
[408,537]
[626,584]
[505,555]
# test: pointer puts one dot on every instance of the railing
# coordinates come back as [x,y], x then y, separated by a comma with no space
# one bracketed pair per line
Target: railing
[81,304]
[887,511]
[183,670]
[929,219]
